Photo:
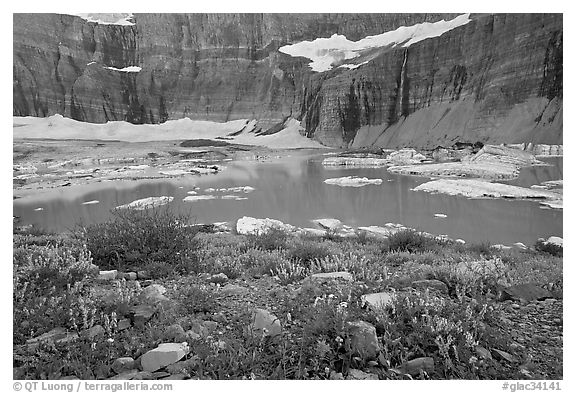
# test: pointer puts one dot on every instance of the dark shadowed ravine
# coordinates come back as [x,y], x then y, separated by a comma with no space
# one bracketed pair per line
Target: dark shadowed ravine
[292,190]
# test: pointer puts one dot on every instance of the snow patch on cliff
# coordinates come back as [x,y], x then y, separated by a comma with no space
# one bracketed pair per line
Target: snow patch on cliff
[108,19]
[324,52]
[126,69]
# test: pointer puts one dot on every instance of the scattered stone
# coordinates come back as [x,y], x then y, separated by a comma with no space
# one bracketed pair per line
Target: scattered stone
[432,284]
[153,294]
[163,355]
[93,332]
[123,324]
[181,366]
[334,376]
[482,352]
[219,278]
[57,335]
[265,323]
[413,367]
[121,365]
[143,275]
[364,341]
[107,275]
[257,226]
[378,300]
[144,376]
[142,314]
[555,240]
[333,276]
[360,375]
[231,289]
[520,246]
[175,333]
[501,355]
[210,326]
[527,292]
[129,276]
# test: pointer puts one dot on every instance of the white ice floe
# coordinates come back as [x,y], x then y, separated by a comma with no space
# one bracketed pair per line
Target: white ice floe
[39,209]
[195,198]
[138,167]
[367,162]
[324,52]
[476,188]
[233,197]
[147,203]
[557,241]
[352,181]
[126,69]
[440,215]
[255,226]
[92,62]
[108,19]
[244,189]
[192,192]
[93,202]
[174,172]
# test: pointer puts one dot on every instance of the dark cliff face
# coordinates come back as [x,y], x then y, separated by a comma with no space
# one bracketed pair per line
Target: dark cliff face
[498,78]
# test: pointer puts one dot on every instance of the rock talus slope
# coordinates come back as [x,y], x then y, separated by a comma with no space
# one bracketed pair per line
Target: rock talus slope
[495,79]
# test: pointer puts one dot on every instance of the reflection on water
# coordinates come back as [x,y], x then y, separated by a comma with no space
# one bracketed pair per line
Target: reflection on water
[292,190]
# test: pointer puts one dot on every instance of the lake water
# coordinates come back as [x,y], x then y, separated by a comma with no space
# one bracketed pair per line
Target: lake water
[292,190]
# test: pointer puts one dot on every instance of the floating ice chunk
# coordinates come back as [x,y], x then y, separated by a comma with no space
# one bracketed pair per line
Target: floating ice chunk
[195,198]
[39,209]
[146,203]
[352,181]
[233,197]
[126,69]
[192,192]
[440,215]
[91,202]
[174,172]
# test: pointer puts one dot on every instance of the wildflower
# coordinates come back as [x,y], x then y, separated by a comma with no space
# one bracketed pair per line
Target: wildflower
[110,340]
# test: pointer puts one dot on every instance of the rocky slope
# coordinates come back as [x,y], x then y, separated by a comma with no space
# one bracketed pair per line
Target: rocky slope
[496,79]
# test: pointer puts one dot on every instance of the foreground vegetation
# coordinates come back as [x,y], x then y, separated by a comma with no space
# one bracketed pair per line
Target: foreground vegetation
[455,316]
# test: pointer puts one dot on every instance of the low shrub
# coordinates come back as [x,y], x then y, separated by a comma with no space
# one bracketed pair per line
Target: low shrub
[307,251]
[132,238]
[549,248]
[411,241]
[272,239]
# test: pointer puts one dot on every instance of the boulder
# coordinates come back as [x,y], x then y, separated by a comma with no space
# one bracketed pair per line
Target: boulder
[413,367]
[123,364]
[163,355]
[265,323]
[378,300]
[363,339]
[142,313]
[153,294]
[355,374]
[107,275]
[93,332]
[175,333]
[482,353]
[231,289]
[555,240]
[526,292]
[219,278]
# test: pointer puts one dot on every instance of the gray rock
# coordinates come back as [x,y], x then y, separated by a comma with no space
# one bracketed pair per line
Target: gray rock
[107,275]
[363,339]
[360,375]
[121,365]
[176,377]
[334,376]
[144,376]
[265,323]
[163,355]
[182,366]
[175,333]
[231,289]
[431,284]
[378,300]
[527,292]
[124,324]
[130,276]
[332,276]
[142,314]
[413,367]
[143,275]
[501,355]
[328,223]
[153,294]
[93,332]
[219,278]
[482,352]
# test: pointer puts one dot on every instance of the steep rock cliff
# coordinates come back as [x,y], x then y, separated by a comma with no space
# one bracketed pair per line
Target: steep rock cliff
[498,78]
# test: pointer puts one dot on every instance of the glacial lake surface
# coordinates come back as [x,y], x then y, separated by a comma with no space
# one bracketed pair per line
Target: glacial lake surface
[292,189]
